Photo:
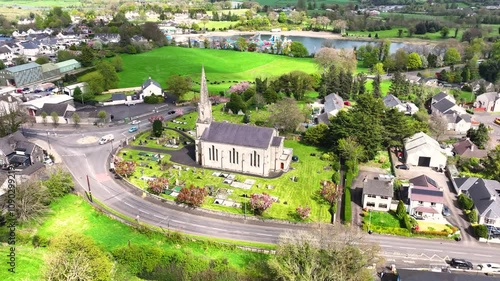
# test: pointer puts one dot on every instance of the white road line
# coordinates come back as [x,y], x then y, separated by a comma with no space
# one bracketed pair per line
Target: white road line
[409,261]
[390,260]
[386,246]
[433,250]
[144,212]
[460,253]
[409,248]
[127,204]
[479,255]
[162,218]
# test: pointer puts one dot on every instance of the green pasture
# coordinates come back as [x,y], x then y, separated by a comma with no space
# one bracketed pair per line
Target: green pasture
[285,3]
[218,24]
[384,86]
[42,3]
[222,67]
[29,263]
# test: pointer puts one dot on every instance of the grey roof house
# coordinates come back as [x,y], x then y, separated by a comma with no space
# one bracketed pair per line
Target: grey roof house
[466,148]
[17,151]
[331,107]
[377,194]
[485,194]
[392,101]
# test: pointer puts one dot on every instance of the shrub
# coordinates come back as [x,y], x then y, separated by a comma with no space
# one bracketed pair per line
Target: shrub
[465,202]
[153,99]
[407,223]
[481,231]
[472,216]
[432,232]
[401,210]
[193,196]
[347,205]
[303,212]
[260,202]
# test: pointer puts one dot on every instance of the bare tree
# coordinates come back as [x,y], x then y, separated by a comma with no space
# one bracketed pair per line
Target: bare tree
[341,58]
[328,253]
[31,200]
[438,125]
[286,115]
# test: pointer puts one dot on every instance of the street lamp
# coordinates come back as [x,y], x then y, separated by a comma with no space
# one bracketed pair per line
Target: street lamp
[48,140]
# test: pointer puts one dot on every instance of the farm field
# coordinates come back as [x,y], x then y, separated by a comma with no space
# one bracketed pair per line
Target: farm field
[221,66]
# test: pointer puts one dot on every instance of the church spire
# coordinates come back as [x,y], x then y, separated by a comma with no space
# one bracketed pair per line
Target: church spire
[204,106]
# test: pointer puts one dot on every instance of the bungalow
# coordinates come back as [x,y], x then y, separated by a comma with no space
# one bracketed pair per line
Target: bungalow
[29,49]
[422,150]
[392,101]
[467,149]
[425,198]
[70,89]
[17,151]
[490,102]
[377,194]
[331,107]
[60,109]
[484,193]
[150,87]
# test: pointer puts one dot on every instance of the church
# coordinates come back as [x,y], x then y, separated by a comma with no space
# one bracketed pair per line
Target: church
[237,148]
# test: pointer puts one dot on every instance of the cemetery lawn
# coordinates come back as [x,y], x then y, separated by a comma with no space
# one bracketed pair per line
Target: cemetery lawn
[221,66]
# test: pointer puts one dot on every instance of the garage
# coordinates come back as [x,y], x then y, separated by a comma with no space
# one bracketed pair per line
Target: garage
[424,161]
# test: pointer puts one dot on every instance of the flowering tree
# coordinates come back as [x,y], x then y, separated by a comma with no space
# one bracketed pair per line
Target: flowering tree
[156,117]
[157,185]
[192,196]
[240,87]
[303,212]
[125,168]
[260,202]
[330,192]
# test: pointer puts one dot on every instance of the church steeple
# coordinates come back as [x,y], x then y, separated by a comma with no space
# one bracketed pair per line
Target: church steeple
[204,106]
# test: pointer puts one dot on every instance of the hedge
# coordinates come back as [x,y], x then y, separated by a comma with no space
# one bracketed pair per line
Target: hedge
[347,205]
[481,230]
[432,232]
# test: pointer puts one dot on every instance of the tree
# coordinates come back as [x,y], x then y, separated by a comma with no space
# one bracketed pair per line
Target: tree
[492,164]
[76,119]
[2,65]
[282,18]
[117,63]
[298,50]
[350,149]
[303,212]
[341,58]
[158,185]
[285,115]
[479,136]
[44,117]
[95,82]
[11,118]
[31,200]
[331,192]
[452,56]
[87,56]
[192,196]
[102,116]
[377,92]
[77,257]
[481,231]
[401,210]
[438,125]
[444,32]
[125,168]
[472,216]
[414,61]
[58,183]
[55,118]
[378,69]
[108,72]
[157,128]
[465,202]
[64,55]
[301,5]
[260,202]
[179,85]
[316,135]
[242,44]
[236,103]
[42,60]
[152,32]
[153,118]
[337,253]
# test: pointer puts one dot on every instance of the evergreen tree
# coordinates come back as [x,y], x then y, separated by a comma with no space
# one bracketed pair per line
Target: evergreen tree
[377,92]
[87,56]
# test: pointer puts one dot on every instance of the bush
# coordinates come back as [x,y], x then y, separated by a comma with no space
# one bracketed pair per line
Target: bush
[481,231]
[432,232]
[472,216]
[465,202]
[153,99]
[347,205]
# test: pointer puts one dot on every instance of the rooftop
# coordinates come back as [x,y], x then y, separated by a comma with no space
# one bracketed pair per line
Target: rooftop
[23,67]
[240,135]
[378,187]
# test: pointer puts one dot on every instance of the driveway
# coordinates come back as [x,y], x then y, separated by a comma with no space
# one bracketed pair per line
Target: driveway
[457,217]
[488,119]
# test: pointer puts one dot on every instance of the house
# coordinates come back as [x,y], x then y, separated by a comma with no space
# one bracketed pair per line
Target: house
[425,198]
[240,148]
[460,123]
[6,54]
[29,49]
[488,86]
[467,149]
[107,37]
[17,151]
[331,107]
[441,96]
[150,87]
[21,75]
[34,106]
[70,89]
[8,104]
[377,194]
[392,101]
[490,102]
[60,109]
[414,79]
[422,150]
[485,195]
[456,117]
[445,106]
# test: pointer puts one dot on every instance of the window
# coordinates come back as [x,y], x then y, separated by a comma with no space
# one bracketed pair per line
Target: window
[254,159]
[489,221]
[384,197]
[230,157]
[216,155]
[209,153]
[372,196]
[420,203]
[433,204]
[370,204]
[382,206]
[237,159]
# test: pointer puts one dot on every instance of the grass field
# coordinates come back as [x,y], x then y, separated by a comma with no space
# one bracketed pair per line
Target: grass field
[29,263]
[221,66]
[285,3]
[42,3]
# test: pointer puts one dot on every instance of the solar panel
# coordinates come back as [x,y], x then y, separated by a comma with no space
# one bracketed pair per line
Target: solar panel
[427,192]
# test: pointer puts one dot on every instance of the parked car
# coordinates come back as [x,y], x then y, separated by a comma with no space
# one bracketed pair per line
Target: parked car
[171,112]
[489,268]
[403,167]
[446,211]
[48,161]
[133,129]
[460,263]
[135,122]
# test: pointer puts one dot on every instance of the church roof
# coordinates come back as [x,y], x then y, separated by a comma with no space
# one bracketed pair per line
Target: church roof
[241,135]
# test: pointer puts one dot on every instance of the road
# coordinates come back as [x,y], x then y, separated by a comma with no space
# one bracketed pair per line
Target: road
[91,160]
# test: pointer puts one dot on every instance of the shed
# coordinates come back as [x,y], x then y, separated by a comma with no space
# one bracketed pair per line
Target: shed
[68,65]
[422,150]
[50,70]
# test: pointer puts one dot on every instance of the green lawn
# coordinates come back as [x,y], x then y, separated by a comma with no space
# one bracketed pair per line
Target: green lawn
[384,86]
[219,24]
[221,66]
[29,263]
[144,139]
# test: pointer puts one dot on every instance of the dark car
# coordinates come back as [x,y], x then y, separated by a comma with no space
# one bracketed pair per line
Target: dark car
[171,112]
[460,263]
[402,167]
[446,211]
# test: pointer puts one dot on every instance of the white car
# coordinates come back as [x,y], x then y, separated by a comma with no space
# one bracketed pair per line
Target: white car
[48,161]
[135,122]
[489,268]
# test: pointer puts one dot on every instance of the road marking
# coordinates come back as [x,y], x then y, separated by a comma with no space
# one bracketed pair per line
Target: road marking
[409,248]
[162,218]
[433,250]
[385,246]
[127,204]
[460,253]
[408,261]
[73,155]
[391,260]
[144,212]
[479,255]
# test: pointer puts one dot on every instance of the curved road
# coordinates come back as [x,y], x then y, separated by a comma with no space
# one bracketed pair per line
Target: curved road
[91,160]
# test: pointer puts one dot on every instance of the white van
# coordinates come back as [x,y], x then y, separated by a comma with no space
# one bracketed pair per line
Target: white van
[107,138]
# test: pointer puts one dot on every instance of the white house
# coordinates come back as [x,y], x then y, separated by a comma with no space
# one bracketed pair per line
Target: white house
[29,49]
[70,89]
[332,106]
[489,101]
[422,150]
[460,123]
[441,96]
[426,199]
[377,194]
[6,54]
[485,194]
[240,148]
[151,87]
[392,101]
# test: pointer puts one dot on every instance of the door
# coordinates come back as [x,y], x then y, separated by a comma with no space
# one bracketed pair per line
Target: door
[424,161]
[282,166]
